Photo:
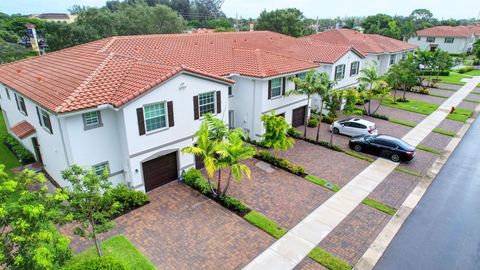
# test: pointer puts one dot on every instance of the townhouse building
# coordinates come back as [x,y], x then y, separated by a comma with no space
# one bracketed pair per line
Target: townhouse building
[452,39]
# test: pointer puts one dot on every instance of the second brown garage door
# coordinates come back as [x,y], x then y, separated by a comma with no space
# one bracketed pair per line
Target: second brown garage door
[298,116]
[160,171]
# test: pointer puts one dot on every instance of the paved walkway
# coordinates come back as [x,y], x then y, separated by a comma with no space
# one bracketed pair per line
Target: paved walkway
[289,250]
[442,232]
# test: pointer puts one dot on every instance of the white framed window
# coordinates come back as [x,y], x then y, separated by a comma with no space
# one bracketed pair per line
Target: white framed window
[92,120]
[339,72]
[206,103]
[392,59]
[430,39]
[45,120]
[155,116]
[101,167]
[449,40]
[419,38]
[21,104]
[404,55]
[276,87]
[354,68]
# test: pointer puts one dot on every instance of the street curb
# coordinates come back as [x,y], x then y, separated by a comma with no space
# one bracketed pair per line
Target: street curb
[380,244]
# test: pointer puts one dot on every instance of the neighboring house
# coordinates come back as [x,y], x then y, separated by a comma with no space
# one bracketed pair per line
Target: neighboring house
[453,39]
[55,17]
[130,104]
[378,49]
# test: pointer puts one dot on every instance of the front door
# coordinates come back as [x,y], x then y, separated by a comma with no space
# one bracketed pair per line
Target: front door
[36,148]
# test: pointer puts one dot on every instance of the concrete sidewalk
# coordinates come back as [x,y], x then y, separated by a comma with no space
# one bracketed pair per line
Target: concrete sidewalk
[289,250]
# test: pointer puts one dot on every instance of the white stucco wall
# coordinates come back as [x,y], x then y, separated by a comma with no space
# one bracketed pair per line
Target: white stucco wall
[459,45]
[51,145]
[151,145]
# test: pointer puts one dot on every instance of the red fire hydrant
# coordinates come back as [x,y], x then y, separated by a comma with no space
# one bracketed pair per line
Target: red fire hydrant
[452,110]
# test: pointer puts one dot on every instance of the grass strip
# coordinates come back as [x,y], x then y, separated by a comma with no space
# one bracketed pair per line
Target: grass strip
[322,182]
[265,224]
[460,115]
[328,260]
[401,122]
[407,171]
[475,93]
[379,206]
[446,89]
[412,105]
[436,95]
[121,249]
[444,132]
[359,156]
[472,101]
[427,149]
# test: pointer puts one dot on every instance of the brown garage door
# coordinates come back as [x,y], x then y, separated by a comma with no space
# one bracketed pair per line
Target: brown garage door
[160,171]
[298,116]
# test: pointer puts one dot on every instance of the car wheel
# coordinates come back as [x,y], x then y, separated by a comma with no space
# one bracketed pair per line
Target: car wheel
[395,158]
[336,131]
[357,148]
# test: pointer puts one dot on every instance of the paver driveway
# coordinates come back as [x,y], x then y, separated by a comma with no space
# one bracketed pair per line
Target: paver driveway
[182,229]
[279,195]
[333,166]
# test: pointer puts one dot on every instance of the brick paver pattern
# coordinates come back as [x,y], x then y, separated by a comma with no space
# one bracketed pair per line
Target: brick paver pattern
[395,189]
[436,141]
[309,264]
[277,194]
[333,166]
[352,237]
[421,163]
[182,229]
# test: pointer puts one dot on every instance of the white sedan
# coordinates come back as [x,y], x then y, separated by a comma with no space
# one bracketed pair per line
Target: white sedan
[353,127]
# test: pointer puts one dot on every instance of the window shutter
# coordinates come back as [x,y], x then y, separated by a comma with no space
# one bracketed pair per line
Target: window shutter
[219,102]
[269,89]
[38,115]
[171,118]
[140,121]
[16,101]
[284,85]
[48,124]
[196,113]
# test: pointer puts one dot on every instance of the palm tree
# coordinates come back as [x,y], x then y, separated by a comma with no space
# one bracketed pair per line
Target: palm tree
[324,90]
[231,152]
[425,59]
[307,87]
[369,78]
[205,148]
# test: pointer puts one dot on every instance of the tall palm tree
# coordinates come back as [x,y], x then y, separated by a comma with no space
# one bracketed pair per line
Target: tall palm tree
[369,77]
[307,87]
[205,148]
[324,89]
[231,152]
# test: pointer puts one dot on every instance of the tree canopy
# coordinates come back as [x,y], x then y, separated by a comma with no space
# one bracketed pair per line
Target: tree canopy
[285,21]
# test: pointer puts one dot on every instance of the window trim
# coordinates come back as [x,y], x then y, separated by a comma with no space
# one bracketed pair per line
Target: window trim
[430,39]
[280,87]
[19,101]
[165,115]
[343,72]
[449,38]
[394,58]
[357,68]
[214,93]
[92,126]
[105,163]
[48,128]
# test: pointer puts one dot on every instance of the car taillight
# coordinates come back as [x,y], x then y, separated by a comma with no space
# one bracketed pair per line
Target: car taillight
[410,154]
[370,130]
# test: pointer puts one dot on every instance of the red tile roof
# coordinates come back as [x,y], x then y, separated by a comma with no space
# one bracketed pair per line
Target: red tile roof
[23,129]
[364,43]
[321,52]
[117,69]
[450,31]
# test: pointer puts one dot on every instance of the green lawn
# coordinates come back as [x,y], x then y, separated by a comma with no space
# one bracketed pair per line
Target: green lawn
[6,157]
[121,249]
[454,78]
[328,260]
[460,115]
[265,224]
[322,182]
[379,206]
[412,106]
[475,72]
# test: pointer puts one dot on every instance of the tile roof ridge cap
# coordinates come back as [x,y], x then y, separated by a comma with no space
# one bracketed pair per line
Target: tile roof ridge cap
[285,56]
[84,84]
[107,45]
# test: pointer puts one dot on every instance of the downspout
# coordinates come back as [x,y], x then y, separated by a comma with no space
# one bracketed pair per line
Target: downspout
[254,105]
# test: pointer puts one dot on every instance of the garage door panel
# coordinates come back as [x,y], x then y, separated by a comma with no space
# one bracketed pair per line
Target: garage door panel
[298,116]
[160,171]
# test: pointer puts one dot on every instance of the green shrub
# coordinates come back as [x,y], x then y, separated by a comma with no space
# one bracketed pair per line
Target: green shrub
[328,119]
[464,69]
[128,198]
[421,90]
[312,122]
[476,62]
[379,116]
[22,154]
[292,132]
[281,163]
[98,263]
[195,179]
[325,144]
[233,204]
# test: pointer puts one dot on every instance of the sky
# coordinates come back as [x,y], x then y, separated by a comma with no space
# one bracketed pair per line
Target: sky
[441,9]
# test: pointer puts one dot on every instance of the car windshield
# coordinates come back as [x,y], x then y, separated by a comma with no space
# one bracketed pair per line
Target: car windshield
[369,138]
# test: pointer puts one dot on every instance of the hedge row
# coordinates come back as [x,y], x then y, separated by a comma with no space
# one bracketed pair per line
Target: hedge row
[464,69]
[281,163]
[22,154]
